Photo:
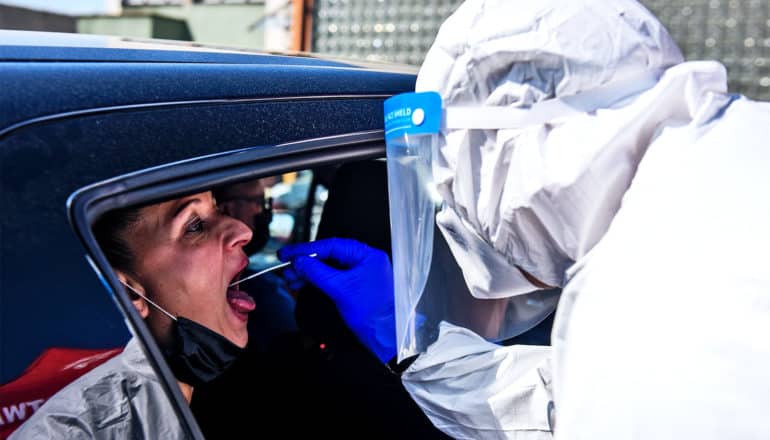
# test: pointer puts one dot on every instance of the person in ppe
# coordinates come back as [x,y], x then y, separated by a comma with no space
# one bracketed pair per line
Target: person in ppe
[577,149]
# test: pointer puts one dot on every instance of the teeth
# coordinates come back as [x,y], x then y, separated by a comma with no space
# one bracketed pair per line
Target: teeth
[236,280]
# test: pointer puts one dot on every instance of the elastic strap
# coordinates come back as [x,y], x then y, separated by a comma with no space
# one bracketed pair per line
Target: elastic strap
[149,301]
[498,117]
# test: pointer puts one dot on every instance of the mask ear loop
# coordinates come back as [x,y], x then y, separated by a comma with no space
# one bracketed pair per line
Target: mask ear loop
[149,301]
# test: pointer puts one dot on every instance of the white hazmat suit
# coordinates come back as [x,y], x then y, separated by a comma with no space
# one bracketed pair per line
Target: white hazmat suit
[581,149]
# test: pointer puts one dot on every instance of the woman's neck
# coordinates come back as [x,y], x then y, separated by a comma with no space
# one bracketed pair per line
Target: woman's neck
[187,391]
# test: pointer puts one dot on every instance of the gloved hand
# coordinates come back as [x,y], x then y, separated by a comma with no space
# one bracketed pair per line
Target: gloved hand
[358,278]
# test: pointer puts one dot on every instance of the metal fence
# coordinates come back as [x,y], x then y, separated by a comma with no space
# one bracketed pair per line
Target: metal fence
[735,32]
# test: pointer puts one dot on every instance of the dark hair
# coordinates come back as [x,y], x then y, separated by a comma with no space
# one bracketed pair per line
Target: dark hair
[110,232]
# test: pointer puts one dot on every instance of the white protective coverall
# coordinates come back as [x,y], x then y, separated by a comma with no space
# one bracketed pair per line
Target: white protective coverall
[120,399]
[647,202]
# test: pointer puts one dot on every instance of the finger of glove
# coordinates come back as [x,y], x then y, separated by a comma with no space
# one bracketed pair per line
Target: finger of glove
[290,251]
[319,274]
[293,279]
[297,285]
[342,251]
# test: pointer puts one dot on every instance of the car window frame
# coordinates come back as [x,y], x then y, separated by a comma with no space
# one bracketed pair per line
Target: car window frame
[175,179]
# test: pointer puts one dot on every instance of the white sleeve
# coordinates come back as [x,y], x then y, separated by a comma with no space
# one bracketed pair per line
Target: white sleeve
[473,389]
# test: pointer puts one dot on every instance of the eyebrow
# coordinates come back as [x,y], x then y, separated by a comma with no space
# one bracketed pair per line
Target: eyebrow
[183,206]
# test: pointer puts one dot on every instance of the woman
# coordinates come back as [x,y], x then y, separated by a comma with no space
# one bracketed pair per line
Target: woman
[177,258]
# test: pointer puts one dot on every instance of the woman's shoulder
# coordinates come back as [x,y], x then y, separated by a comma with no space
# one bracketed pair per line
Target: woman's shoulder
[99,399]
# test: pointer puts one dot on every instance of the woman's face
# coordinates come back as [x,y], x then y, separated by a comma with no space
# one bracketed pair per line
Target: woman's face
[187,253]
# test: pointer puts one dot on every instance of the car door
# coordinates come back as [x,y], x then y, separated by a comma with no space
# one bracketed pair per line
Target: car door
[84,133]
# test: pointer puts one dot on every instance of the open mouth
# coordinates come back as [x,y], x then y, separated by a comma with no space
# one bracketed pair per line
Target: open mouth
[239,301]
[236,280]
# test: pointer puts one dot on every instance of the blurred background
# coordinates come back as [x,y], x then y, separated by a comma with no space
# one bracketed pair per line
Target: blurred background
[735,32]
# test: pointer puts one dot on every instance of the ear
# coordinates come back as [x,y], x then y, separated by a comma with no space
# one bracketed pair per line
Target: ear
[139,303]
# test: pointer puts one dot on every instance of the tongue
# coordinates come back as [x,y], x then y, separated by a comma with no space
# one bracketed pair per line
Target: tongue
[240,301]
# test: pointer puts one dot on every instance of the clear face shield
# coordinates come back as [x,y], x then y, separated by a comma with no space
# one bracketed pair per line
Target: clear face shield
[430,285]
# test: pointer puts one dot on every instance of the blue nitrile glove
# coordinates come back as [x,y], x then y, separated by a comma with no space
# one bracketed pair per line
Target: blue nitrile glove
[293,280]
[358,278]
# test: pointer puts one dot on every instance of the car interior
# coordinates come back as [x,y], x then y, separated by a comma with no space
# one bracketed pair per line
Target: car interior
[323,374]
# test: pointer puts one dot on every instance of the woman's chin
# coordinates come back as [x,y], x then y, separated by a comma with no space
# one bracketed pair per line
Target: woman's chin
[242,340]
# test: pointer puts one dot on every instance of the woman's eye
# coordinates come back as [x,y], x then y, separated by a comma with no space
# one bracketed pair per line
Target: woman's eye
[195,226]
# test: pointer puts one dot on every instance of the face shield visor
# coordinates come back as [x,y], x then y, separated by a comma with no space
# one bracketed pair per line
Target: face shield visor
[430,283]
[444,270]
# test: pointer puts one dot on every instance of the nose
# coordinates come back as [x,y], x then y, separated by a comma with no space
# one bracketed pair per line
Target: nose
[238,234]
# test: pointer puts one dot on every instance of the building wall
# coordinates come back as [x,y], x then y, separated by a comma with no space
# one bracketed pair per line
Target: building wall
[26,19]
[139,26]
[735,32]
[237,25]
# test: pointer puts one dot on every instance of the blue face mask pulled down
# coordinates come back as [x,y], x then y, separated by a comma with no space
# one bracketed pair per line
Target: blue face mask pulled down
[195,353]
